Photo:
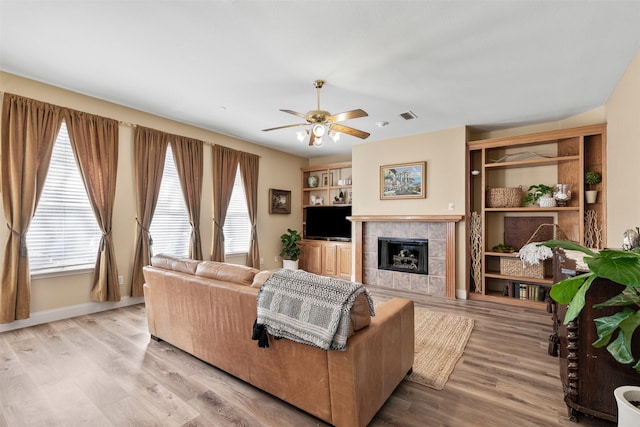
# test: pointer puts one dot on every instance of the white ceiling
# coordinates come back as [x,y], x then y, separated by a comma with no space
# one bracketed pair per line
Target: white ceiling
[229,66]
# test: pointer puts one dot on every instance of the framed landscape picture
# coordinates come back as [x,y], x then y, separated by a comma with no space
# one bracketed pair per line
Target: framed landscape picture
[403,181]
[279,201]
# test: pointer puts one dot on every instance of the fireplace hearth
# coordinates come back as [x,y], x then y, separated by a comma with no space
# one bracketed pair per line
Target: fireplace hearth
[404,255]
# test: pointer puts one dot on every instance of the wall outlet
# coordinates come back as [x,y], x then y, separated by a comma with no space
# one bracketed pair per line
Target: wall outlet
[276,259]
[452,206]
[121,280]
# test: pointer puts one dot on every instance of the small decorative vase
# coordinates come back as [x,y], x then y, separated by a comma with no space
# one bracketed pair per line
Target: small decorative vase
[313,181]
[562,194]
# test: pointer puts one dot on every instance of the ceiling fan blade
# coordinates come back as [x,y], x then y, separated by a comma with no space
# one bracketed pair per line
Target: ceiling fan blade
[295,113]
[349,131]
[284,127]
[353,114]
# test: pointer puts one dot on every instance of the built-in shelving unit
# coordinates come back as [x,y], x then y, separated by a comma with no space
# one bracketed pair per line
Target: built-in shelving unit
[329,258]
[332,180]
[549,158]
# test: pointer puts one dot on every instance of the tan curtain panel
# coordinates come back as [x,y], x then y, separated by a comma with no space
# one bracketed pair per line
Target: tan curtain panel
[29,130]
[149,152]
[249,168]
[189,158]
[94,141]
[225,165]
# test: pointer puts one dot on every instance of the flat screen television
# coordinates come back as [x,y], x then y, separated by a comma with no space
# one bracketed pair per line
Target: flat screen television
[328,223]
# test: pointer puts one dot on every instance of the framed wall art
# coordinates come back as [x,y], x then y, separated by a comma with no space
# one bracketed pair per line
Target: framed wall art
[326,179]
[403,181]
[279,201]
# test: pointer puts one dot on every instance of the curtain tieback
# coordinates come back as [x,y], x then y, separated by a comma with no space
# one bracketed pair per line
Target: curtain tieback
[23,240]
[220,229]
[146,230]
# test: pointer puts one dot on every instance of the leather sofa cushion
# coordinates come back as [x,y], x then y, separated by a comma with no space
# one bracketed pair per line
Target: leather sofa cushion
[169,262]
[260,278]
[234,273]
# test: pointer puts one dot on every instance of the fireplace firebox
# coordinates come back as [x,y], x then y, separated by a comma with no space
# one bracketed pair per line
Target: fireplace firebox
[405,255]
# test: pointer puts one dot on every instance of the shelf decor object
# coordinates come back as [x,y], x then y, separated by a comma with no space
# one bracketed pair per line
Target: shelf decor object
[504,197]
[562,194]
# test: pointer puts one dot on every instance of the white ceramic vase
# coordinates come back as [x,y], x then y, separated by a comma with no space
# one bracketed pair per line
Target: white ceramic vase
[288,264]
[628,414]
[590,196]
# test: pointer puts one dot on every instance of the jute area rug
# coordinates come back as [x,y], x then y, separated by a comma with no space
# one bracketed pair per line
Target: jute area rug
[440,339]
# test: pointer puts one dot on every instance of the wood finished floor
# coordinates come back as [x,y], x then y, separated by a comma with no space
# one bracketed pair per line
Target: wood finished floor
[103,370]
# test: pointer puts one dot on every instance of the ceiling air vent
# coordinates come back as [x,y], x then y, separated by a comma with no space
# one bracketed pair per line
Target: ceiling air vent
[409,115]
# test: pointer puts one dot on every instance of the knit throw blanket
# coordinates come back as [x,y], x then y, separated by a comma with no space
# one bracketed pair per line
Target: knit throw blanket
[307,308]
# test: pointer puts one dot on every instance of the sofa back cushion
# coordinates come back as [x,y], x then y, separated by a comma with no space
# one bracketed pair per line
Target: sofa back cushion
[234,273]
[169,262]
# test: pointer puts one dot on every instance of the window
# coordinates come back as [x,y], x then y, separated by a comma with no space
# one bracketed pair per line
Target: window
[63,232]
[170,228]
[237,227]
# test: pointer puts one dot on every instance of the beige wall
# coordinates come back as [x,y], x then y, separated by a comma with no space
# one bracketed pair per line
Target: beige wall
[623,154]
[277,170]
[444,152]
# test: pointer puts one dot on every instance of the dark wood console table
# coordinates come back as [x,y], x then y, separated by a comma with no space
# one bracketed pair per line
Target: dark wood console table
[589,375]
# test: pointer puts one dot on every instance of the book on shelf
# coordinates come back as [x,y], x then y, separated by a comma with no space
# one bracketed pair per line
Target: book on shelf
[526,291]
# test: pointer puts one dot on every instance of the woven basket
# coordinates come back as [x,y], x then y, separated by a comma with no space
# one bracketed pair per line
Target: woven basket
[510,266]
[504,197]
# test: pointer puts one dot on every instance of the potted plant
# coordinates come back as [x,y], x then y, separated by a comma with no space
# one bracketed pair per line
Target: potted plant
[535,192]
[290,249]
[615,331]
[591,178]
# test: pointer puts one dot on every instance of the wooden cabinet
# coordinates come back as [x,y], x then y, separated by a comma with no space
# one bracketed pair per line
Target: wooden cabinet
[326,258]
[549,158]
[311,258]
[589,375]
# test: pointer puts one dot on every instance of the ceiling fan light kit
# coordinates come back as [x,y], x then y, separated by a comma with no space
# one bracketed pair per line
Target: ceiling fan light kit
[323,122]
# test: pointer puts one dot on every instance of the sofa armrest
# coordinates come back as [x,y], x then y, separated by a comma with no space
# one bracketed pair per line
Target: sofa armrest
[376,360]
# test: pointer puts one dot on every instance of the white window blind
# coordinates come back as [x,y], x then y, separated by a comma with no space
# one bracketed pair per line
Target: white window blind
[170,228]
[63,233]
[237,227]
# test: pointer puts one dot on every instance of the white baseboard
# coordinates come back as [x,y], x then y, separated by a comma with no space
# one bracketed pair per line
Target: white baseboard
[461,294]
[46,316]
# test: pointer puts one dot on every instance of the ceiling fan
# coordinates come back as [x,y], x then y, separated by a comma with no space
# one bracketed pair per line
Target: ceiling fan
[323,122]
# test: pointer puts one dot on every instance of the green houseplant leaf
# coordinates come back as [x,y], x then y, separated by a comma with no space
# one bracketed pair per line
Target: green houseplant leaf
[623,267]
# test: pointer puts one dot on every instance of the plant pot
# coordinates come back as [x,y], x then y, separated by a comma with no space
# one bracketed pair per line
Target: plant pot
[628,414]
[546,201]
[288,264]
[590,196]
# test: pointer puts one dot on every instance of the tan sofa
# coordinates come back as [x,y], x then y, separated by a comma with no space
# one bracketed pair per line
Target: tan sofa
[207,309]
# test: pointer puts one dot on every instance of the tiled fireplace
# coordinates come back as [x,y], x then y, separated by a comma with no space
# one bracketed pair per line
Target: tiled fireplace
[434,236]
